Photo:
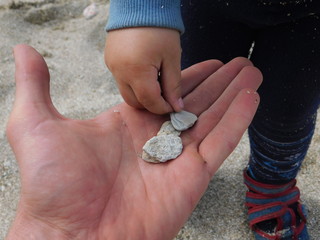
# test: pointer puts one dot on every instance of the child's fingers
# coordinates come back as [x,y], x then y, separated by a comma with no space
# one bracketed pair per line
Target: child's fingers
[171,82]
[128,95]
[148,93]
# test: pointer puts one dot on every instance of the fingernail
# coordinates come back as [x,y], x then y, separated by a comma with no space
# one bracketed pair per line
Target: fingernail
[180,102]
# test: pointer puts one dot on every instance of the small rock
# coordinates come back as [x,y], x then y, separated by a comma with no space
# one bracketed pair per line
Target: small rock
[164,147]
[167,128]
[183,120]
[145,156]
[167,144]
[90,11]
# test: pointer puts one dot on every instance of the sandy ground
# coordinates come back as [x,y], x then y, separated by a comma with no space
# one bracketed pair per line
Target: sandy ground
[82,87]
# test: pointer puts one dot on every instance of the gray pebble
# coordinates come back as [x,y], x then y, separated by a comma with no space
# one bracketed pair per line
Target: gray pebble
[183,120]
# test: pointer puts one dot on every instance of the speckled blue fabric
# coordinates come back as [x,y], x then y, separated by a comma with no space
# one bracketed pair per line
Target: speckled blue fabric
[142,13]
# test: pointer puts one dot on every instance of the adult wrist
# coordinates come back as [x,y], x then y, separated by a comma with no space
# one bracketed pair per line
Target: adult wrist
[25,227]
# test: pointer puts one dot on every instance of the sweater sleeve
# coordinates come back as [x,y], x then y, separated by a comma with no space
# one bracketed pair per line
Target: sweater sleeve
[145,13]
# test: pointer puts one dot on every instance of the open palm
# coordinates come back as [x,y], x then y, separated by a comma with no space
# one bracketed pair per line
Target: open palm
[86,180]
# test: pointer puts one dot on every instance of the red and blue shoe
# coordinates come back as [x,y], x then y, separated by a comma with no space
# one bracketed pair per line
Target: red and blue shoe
[275,211]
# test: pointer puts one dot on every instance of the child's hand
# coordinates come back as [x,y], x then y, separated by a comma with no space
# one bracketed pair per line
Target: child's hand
[136,56]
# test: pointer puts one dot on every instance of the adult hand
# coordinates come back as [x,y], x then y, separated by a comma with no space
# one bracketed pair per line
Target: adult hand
[86,180]
[136,57]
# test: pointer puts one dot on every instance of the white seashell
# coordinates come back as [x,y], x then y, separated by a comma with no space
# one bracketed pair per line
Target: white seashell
[182,120]
[167,129]
[163,148]
[90,11]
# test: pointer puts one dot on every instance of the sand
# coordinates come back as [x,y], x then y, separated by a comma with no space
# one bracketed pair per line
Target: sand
[82,87]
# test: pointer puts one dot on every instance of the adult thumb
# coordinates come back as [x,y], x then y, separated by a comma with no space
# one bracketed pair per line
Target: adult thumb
[32,80]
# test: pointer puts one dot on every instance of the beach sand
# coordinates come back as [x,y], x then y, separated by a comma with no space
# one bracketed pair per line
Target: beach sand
[82,87]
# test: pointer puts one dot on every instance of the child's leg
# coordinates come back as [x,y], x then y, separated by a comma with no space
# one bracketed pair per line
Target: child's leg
[288,56]
[210,35]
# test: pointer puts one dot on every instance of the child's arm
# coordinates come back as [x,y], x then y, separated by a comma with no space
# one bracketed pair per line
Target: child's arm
[143,40]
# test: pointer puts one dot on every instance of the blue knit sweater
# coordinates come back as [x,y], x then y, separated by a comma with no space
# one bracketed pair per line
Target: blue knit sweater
[145,13]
